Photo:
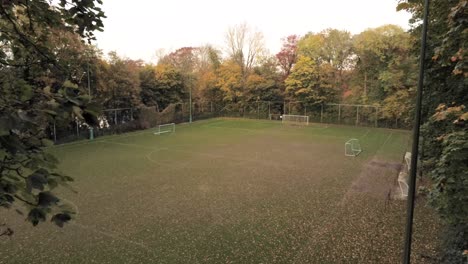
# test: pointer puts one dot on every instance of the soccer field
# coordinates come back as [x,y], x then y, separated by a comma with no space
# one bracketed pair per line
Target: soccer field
[226,191]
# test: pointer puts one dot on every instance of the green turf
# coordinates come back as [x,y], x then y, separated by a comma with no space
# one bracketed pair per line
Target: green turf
[226,191]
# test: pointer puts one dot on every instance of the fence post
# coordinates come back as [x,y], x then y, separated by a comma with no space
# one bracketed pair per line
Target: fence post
[115,116]
[321,114]
[131,114]
[55,133]
[305,110]
[376,116]
[357,115]
[258,110]
[77,129]
[269,112]
[339,113]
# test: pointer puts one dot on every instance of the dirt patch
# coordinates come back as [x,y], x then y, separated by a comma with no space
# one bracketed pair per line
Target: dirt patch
[387,165]
[376,180]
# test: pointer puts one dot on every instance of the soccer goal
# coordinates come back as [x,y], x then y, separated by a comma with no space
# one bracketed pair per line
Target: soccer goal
[165,128]
[352,147]
[295,119]
[274,116]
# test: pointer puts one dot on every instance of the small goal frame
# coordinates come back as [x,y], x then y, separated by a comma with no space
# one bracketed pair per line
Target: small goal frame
[298,121]
[352,147]
[162,131]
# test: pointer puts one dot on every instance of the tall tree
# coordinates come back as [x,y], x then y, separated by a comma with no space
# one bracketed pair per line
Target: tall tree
[309,82]
[386,71]
[245,47]
[287,56]
[445,130]
[36,88]
[332,47]
[337,51]
[119,82]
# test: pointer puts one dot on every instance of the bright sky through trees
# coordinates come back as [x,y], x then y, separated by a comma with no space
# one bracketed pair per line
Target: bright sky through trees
[138,29]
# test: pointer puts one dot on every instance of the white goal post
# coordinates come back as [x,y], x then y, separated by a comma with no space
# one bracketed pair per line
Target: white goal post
[352,147]
[295,119]
[165,128]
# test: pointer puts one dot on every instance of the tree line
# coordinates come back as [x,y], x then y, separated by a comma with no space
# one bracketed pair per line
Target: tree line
[49,73]
[376,67]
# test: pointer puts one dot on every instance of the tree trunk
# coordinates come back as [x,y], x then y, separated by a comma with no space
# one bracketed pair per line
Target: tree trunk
[365,84]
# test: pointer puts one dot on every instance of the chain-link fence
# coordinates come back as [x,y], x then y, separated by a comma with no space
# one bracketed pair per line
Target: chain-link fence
[120,120]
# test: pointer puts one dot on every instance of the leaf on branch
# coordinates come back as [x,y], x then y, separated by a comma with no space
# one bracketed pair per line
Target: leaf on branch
[36,215]
[47,199]
[60,219]
[6,200]
[5,126]
[37,180]
[68,84]
[78,112]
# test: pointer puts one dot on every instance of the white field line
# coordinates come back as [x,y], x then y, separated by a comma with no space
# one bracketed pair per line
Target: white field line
[365,134]
[182,165]
[170,165]
[235,128]
[127,145]
[110,137]
[227,158]
[319,128]
[114,236]
[148,155]
[386,140]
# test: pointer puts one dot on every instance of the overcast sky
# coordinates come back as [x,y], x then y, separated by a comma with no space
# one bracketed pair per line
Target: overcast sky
[138,28]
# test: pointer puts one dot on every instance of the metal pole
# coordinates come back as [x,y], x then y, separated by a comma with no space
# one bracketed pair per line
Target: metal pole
[321,114]
[131,114]
[55,132]
[376,116]
[414,154]
[357,115]
[89,82]
[115,116]
[190,102]
[339,113]
[269,112]
[258,110]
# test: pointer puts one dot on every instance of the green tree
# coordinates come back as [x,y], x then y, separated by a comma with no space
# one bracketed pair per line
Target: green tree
[445,119]
[119,82]
[310,82]
[245,47]
[171,85]
[385,72]
[265,82]
[35,89]
[230,81]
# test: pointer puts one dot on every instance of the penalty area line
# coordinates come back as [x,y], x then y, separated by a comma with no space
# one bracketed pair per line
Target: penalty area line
[114,236]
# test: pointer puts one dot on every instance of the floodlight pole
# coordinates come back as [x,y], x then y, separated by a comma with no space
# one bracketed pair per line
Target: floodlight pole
[414,154]
[190,102]
[89,82]
[190,107]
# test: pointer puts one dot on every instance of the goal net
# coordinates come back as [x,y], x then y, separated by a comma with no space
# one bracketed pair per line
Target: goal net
[352,148]
[274,116]
[165,128]
[295,119]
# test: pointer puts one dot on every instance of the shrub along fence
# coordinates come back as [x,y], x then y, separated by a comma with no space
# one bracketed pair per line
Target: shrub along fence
[120,120]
